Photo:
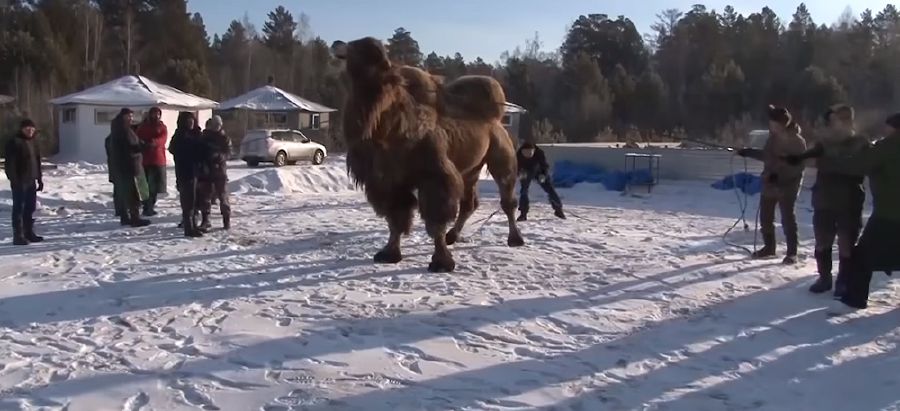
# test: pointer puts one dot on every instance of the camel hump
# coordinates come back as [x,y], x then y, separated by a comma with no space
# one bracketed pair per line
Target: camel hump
[478,98]
[421,85]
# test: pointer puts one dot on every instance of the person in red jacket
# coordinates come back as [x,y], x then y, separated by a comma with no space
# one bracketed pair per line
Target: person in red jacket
[153,133]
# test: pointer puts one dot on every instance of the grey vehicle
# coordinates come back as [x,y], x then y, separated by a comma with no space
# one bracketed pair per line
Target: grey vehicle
[280,147]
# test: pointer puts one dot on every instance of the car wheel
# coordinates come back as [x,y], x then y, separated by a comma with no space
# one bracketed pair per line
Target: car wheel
[280,159]
[318,157]
[252,163]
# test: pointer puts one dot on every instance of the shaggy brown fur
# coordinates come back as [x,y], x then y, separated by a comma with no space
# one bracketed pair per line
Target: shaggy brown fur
[414,141]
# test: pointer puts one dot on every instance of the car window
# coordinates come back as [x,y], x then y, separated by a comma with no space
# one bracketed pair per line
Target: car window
[300,138]
[283,136]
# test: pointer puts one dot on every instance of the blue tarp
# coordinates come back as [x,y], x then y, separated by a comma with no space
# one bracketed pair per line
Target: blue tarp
[567,174]
[748,183]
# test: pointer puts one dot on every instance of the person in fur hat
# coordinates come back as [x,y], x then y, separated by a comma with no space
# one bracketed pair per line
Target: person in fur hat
[780,182]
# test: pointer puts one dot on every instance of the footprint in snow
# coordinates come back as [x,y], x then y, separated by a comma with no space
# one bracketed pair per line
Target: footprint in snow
[136,402]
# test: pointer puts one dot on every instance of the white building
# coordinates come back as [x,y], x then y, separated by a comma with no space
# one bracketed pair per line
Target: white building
[84,117]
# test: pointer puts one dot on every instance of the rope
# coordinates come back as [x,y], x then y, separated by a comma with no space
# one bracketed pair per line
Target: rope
[743,203]
[484,221]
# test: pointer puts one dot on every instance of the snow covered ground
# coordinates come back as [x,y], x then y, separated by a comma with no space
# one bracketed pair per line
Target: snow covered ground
[632,303]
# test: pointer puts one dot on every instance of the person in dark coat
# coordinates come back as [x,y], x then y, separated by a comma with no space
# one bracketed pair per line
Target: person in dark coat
[780,182]
[837,199]
[112,170]
[214,184]
[126,149]
[878,249]
[23,169]
[533,165]
[189,153]
[153,133]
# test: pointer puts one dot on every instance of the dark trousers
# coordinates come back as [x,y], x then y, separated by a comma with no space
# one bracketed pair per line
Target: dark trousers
[187,197]
[24,204]
[828,224]
[156,182]
[878,249]
[118,201]
[785,204]
[547,185]
[210,190]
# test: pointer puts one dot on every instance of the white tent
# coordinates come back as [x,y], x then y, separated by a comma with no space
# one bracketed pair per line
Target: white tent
[271,98]
[84,117]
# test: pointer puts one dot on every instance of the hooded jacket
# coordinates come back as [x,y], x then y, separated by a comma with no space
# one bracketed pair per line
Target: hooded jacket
[23,161]
[154,136]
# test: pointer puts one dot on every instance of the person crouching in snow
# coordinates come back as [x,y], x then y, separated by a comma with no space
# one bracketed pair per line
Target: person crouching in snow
[780,182]
[215,181]
[878,248]
[23,169]
[153,133]
[533,165]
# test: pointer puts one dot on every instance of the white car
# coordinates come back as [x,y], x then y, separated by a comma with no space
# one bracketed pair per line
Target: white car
[280,147]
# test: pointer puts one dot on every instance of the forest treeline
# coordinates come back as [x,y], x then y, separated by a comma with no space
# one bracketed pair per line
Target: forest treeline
[701,72]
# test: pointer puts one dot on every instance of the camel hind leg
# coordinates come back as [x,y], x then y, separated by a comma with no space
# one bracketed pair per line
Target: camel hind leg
[467,205]
[501,162]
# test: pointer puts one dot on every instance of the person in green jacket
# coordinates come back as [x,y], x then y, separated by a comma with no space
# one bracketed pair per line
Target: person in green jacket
[878,248]
[837,200]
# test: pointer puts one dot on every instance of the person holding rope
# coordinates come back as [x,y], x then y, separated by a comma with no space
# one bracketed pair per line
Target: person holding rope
[780,182]
[877,249]
[837,199]
[533,165]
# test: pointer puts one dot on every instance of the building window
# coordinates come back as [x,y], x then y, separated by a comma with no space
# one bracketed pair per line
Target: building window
[507,120]
[68,115]
[316,122]
[104,116]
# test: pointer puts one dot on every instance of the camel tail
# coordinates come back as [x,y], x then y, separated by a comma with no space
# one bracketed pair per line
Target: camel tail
[477,98]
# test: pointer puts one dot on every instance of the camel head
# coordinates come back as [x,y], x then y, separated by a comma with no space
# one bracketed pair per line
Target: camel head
[366,60]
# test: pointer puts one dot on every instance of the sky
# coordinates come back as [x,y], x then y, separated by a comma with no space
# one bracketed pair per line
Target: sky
[482,28]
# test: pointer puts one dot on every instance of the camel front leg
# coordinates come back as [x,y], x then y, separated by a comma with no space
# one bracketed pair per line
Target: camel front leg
[398,209]
[467,206]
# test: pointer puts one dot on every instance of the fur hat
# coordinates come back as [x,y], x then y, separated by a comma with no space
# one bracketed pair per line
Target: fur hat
[125,111]
[214,123]
[893,121]
[26,123]
[780,115]
[528,145]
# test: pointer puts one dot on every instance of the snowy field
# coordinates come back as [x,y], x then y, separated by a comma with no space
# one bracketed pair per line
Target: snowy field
[631,304]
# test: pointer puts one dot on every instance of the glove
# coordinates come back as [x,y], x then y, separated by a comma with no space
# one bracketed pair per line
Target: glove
[542,178]
[40,185]
[523,175]
[744,152]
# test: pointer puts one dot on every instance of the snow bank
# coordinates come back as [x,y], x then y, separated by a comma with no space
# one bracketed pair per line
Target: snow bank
[293,180]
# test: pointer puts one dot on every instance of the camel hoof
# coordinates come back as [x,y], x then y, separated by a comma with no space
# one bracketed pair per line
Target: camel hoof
[515,241]
[452,237]
[388,257]
[438,266]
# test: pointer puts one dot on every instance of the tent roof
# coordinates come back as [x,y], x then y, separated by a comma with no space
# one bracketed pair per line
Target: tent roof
[271,98]
[514,108]
[6,99]
[135,91]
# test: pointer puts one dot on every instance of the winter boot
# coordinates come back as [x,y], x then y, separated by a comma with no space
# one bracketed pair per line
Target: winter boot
[824,265]
[135,219]
[190,230]
[205,225]
[29,232]
[522,217]
[840,285]
[124,220]
[148,209]
[18,234]
[790,257]
[768,250]
[226,221]
[559,213]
